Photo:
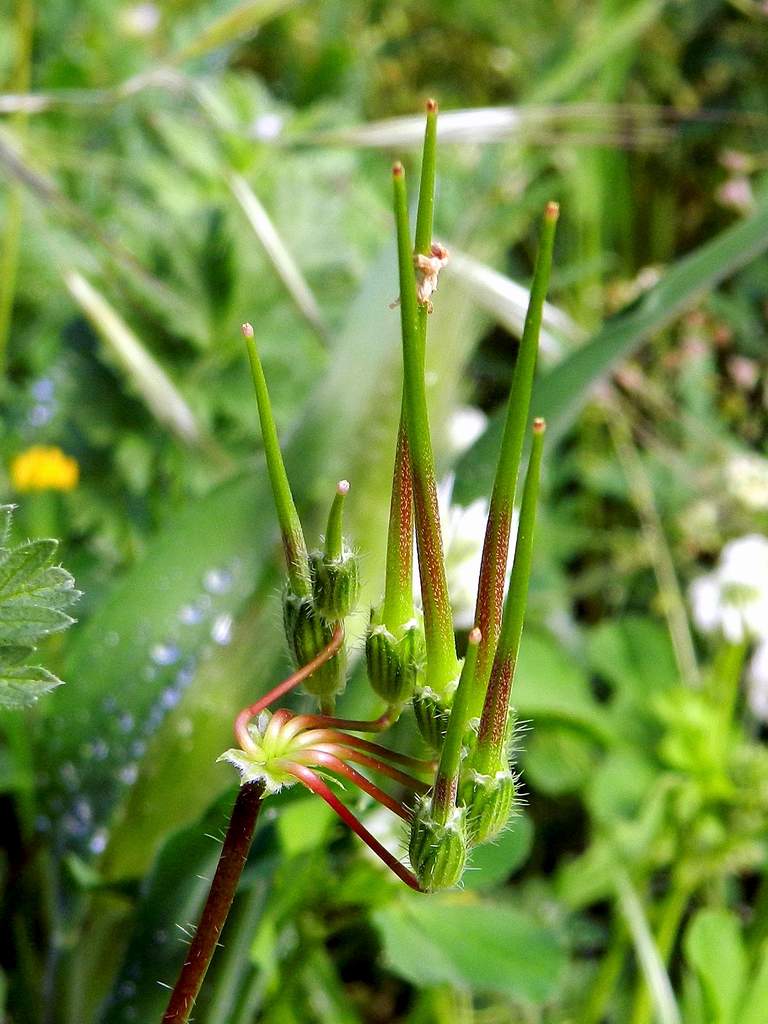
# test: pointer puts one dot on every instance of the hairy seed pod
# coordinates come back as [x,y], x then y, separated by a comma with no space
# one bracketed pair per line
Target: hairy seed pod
[431,717]
[307,634]
[437,851]
[395,665]
[335,584]
[490,803]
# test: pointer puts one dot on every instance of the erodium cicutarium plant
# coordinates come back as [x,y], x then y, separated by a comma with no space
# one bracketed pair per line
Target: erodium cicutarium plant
[463,791]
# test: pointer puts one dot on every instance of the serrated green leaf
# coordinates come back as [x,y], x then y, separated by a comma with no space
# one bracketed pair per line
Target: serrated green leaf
[20,565]
[6,518]
[13,654]
[21,686]
[23,622]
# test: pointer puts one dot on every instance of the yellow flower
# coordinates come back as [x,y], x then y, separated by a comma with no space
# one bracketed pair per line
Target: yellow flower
[43,468]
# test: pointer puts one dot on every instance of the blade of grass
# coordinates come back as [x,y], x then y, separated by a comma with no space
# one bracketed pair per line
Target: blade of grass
[153,384]
[9,256]
[649,957]
[233,26]
[278,254]
[507,302]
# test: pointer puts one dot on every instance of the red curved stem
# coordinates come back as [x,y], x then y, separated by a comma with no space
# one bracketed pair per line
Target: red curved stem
[416,785]
[329,760]
[381,752]
[327,721]
[312,781]
[288,684]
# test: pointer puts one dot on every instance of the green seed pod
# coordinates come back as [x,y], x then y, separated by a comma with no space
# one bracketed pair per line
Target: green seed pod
[490,803]
[431,717]
[438,852]
[394,664]
[335,584]
[307,634]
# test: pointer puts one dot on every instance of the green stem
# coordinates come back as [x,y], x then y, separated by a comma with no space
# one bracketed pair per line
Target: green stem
[493,723]
[290,526]
[493,568]
[725,686]
[442,665]
[447,777]
[607,975]
[334,541]
[398,587]
[672,910]
[9,257]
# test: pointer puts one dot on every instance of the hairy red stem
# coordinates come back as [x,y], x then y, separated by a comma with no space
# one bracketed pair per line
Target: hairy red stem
[234,854]
[313,781]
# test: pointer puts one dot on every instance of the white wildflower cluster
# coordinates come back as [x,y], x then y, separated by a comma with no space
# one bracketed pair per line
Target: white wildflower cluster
[733,600]
[747,480]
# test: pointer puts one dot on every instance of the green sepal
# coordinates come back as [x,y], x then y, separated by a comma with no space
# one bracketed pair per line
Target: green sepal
[308,633]
[432,717]
[395,662]
[335,584]
[438,852]
[490,801]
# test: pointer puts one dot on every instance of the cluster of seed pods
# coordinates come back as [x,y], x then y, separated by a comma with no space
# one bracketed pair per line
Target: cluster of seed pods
[463,791]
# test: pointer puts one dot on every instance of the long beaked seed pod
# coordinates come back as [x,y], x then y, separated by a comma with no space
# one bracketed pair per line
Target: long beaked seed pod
[335,570]
[294,545]
[438,850]
[442,664]
[493,731]
[493,567]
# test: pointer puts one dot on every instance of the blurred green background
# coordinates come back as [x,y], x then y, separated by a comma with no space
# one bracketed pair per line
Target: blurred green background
[171,169]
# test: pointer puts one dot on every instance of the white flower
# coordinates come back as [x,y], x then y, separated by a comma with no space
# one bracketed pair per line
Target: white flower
[757,679]
[140,19]
[734,597]
[747,480]
[268,126]
[463,535]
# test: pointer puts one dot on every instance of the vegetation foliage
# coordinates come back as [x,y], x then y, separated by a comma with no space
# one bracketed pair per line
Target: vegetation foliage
[170,170]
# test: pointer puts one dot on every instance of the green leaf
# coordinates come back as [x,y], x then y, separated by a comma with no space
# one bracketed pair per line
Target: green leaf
[19,566]
[635,653]
[493,863]
[560,394]
[550,686]
[26,623]
[11,655]
[32,595]
[753,1007]
[558,759]
[464,942]
[21,686]
[714,948]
